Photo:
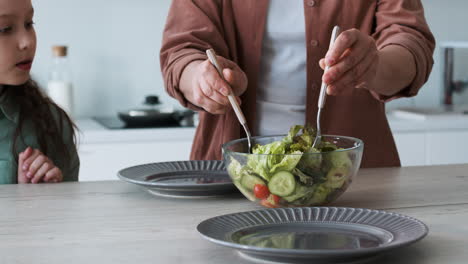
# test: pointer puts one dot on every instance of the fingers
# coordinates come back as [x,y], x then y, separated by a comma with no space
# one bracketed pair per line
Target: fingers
[48,173]
[353,60]
[41,172]
[356,77]
[28,161]
[215,106]
[208,104]
[360,50]
[211,75]
[344,41]
[364,81]
[322,64]
[53,176]
[237,79]
[211,90]
[203,93]
[234,75]
[35,167]
[228,75]
[354,80]
[24,155]
[21,174]
[211,93]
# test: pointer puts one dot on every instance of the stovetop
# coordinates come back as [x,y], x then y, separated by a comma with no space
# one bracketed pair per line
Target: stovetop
[112,122]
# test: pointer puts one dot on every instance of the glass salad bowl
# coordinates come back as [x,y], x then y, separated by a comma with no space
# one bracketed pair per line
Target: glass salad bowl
[285,171]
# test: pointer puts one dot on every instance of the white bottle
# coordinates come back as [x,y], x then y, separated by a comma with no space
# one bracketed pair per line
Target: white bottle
[59,87]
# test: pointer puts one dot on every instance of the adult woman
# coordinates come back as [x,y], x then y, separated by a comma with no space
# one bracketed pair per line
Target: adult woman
[384,52]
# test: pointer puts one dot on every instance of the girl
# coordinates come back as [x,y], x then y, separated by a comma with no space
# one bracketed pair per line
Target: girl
[37,139]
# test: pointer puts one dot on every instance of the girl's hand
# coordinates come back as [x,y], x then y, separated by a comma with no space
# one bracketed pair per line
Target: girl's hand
[206,89]
[21,173]
[35,167]
[353,62]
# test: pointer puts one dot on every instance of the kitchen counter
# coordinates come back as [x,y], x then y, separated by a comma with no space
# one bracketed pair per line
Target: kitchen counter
[406,125]
[116,222]
[93,132]
[105,151]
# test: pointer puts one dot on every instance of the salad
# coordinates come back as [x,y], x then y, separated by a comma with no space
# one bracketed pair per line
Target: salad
[290,172]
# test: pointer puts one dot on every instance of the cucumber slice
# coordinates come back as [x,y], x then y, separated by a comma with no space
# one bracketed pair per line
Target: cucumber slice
[245,192]
[282,183]
[299,192]
[249,181]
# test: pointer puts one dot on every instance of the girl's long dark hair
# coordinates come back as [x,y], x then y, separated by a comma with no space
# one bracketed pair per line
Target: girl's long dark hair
[36,109]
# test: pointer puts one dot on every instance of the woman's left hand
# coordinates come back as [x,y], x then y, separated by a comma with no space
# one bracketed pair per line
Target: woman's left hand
[353,62]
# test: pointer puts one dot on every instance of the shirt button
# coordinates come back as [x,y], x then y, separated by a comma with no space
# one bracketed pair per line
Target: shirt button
[311,3]
[314,43]
[314,86]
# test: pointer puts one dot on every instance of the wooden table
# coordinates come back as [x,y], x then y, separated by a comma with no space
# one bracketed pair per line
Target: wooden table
[116,222]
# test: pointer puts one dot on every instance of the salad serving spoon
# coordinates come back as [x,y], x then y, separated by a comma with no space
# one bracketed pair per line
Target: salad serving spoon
[240,115]
[323,92]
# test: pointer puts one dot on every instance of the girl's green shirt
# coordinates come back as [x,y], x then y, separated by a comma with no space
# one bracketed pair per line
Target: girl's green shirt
[9,112]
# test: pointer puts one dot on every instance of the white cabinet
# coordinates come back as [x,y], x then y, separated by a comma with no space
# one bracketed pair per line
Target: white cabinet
[103,161]
[432,147]
[436,140]
[448,147]
[103,152]
[412,148]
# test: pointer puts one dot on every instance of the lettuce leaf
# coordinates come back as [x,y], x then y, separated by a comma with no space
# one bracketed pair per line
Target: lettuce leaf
[288,163]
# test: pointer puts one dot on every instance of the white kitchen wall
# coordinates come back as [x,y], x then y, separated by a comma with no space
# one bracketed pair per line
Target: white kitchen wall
[114,48]
[447,20]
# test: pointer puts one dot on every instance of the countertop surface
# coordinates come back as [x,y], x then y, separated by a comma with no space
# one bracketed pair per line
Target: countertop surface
[93,132]
[408,125]
[90,131]
[116,222]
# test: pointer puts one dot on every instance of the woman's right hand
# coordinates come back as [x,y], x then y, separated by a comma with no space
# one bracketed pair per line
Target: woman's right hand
[203,87]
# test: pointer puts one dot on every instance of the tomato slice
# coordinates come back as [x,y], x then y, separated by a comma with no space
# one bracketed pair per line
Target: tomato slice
[266,203]
[275,199]
[261,191]
[271,201]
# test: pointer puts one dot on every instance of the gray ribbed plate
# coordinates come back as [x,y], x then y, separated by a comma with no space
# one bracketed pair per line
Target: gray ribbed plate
[194,178]
[318,234]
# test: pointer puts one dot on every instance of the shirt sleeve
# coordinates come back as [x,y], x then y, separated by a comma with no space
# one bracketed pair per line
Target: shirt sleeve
[192,27]
[71,166]
[72,171]
[402,22]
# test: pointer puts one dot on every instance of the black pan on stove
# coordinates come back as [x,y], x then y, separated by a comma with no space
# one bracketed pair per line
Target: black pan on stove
[152,116]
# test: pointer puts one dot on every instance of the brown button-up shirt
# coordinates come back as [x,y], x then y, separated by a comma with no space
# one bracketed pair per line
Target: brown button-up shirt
[234,29]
